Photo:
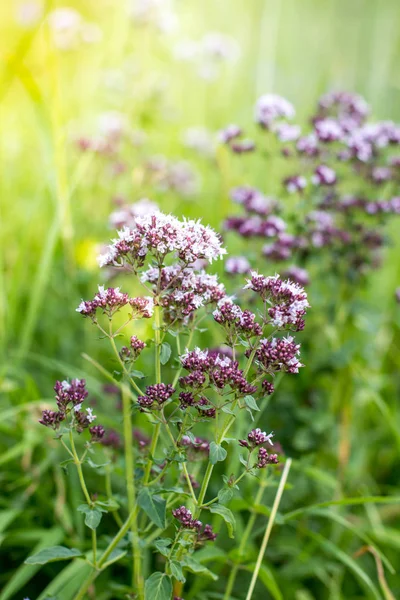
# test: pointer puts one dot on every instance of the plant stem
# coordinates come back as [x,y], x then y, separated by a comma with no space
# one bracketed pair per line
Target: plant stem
[243,541]
[204,486]
[79,469]
[137,577]
[114,347]
[102,562]
[184,467]
[106,373]
[271,520]
[179,371]
[234,483]
[94,546]
[157,365]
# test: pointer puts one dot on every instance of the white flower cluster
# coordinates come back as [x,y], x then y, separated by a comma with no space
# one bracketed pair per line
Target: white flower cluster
[161,234]
[271,107]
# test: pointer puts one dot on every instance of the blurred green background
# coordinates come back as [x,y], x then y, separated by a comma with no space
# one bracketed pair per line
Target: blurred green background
[55,202]
[51,205]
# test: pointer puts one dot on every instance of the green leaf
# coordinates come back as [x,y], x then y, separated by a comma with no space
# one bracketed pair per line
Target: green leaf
[193,565]
[137,374]
[162,545]
[66,462]
[118,375]
[165,353]
[24,573]
[226,409]
[211,554]
[251,403]
[95,465]
[227,515]
[153,506]
[217,453]
[92,515]
[107,506]
[158,587]
[68,582]
[225,495]
[53,554]
[176,571]
[115,556]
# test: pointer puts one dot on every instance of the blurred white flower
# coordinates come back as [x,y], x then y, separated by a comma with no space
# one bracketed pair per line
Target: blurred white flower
[69,29]
[111,124]
[159,13]
[220,47]
[29,14]
[199,139]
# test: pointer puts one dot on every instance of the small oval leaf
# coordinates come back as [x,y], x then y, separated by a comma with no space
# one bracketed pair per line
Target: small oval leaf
[53,554]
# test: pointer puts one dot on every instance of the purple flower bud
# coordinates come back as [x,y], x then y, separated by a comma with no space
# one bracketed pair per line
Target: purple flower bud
[158,393]
[294,184]
[324,175]
[268,387]
[229,133]
[97,432]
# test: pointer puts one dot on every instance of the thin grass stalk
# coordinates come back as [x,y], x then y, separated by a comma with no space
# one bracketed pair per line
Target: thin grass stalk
[271,520]
[244,540]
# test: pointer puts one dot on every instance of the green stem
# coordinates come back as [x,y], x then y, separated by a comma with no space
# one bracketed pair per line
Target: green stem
[179,371]
[184,467]
[94,546]
[243,542]
[114,347]
[234,483]
[102,562]
[204,486]
[110,495]
[137,577]
[157,365]
[78,465]
[106,373]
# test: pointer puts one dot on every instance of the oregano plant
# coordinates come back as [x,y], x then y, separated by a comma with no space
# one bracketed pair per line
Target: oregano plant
[187,397]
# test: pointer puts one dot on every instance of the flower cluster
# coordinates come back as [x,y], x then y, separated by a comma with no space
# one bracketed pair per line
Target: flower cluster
[253,200]
[183,290]
[168,257]
[185,517]
[278,354]
[69,400]
[160,235]
[288,299]
[270,108]
[136,346]
[207,370]
[111,300]
[264,459]
[155,395]
[336,172]
[196,446]
[235,320]
[256,439]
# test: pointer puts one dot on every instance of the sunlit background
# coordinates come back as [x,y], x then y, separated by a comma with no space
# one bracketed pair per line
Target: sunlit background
[170,75]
